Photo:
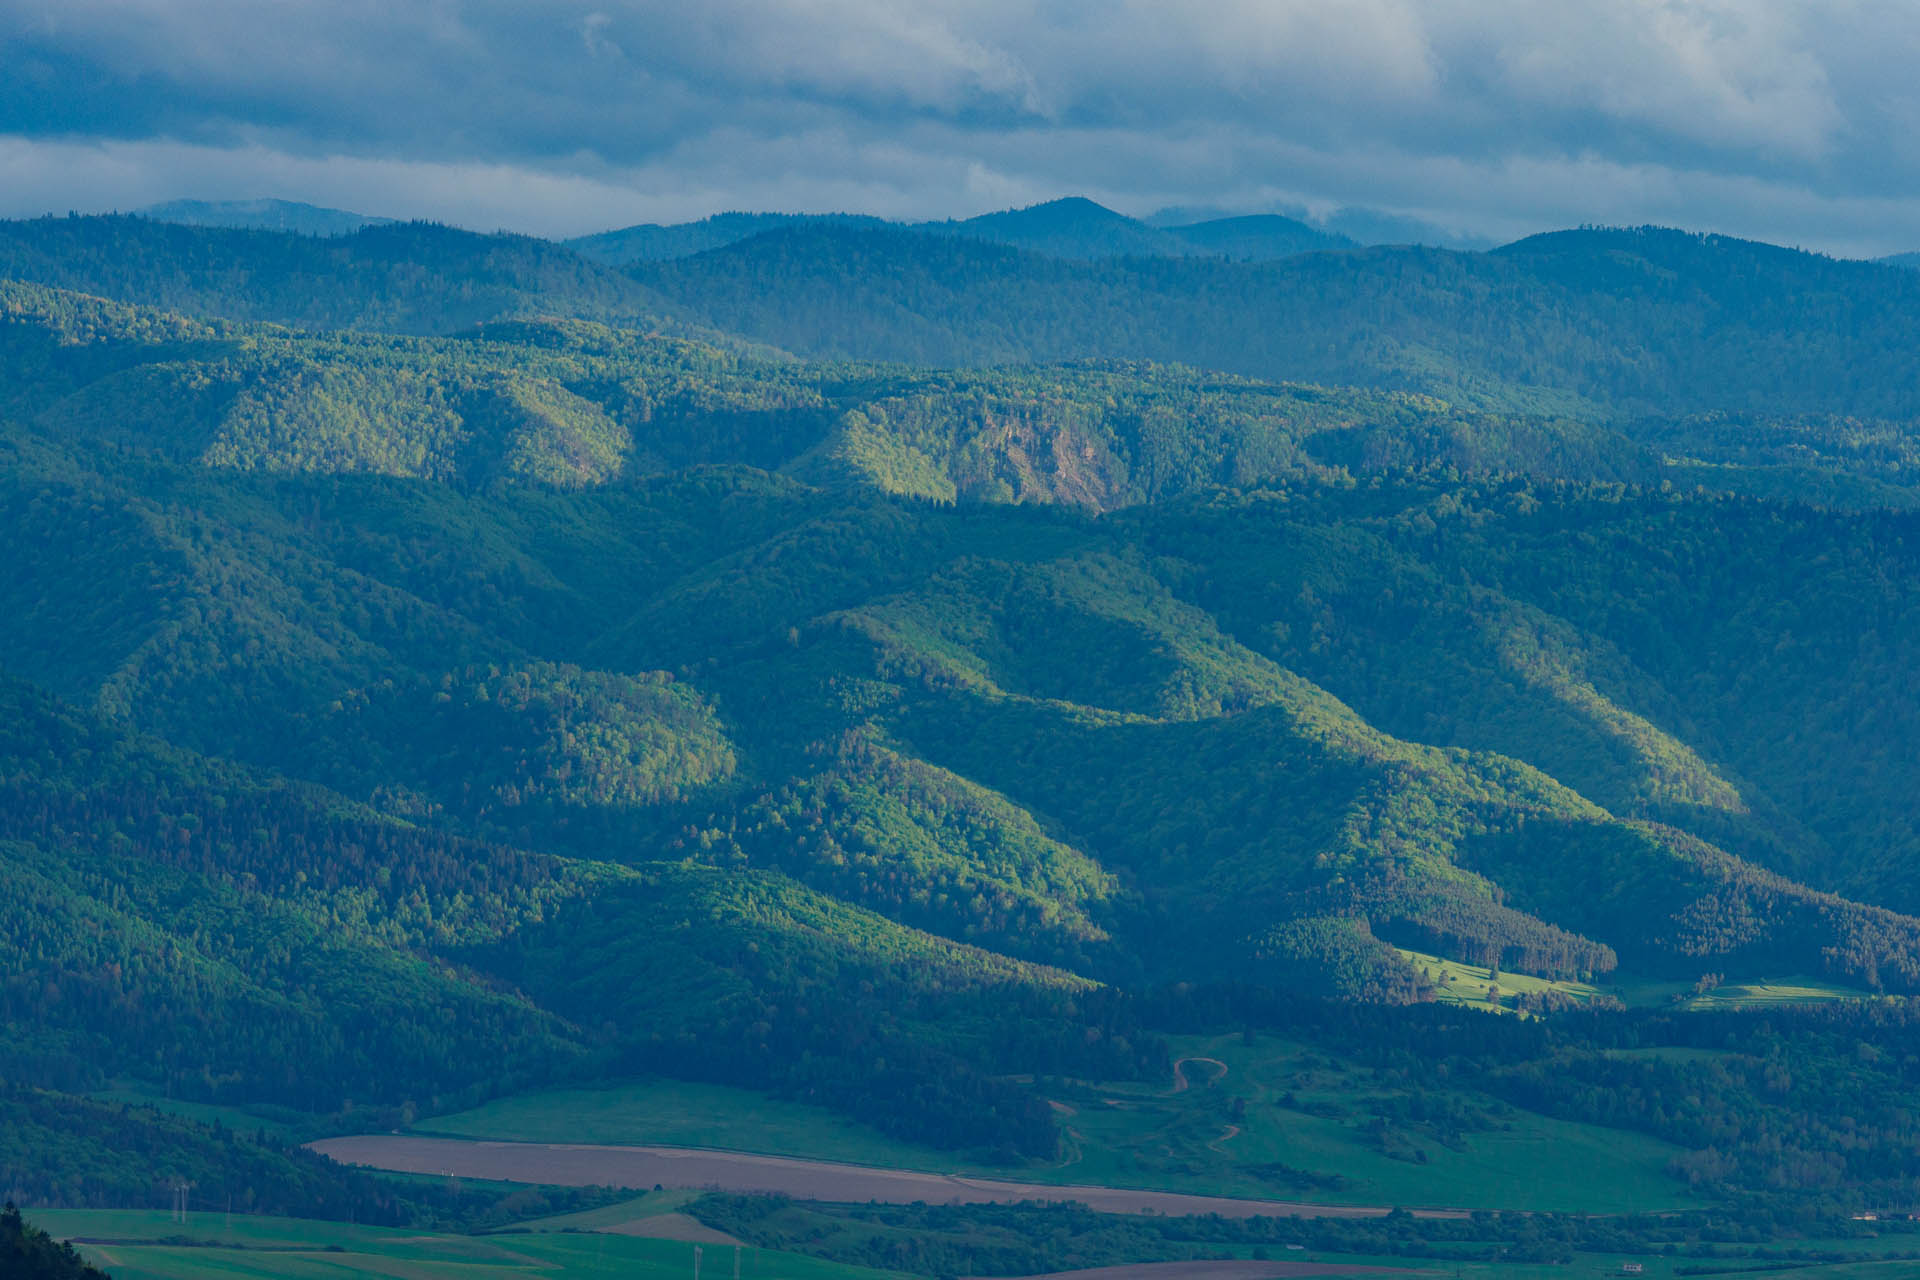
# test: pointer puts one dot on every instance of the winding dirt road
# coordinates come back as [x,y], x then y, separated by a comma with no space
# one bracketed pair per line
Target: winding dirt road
[1180,1081]
[645,1167]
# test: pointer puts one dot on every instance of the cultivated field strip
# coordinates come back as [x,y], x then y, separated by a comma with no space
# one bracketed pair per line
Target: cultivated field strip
[578,1165]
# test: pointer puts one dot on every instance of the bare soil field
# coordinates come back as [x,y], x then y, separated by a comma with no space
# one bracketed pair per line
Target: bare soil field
[576,1165]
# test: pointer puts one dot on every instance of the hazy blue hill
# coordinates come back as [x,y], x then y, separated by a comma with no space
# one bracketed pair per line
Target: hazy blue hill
[1910,260]
[1078,228]
[1257,237]
[1073,227]
[652,242]
[403,277]
[261,215]
[1642,322]
[1348,226]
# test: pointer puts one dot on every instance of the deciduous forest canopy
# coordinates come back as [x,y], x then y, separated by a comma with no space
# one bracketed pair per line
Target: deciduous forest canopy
[932,660]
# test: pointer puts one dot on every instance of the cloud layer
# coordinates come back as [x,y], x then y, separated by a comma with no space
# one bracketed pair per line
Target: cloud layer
[1785,119]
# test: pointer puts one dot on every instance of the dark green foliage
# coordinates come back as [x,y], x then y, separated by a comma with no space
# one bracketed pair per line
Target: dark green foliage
[80,1152]
[405,277]
[264,215]
[28,1253]
[1070,228]
[651,242]
[76,1152]
[1639,321]
[396,721]
[1036,1239]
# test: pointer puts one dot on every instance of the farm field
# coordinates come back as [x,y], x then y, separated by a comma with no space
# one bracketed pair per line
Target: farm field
[583,1165]
[298,1249]
[150,1245]
[1282,1123]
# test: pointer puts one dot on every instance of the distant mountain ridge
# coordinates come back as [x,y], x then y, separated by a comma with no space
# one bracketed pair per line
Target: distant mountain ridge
[653,242]
[262,215]
[412,277]
[1073,227]
[1596,323]
[1639,321]
[1361,224]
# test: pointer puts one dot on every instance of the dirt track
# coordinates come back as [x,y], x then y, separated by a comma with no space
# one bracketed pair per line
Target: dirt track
[1180,1081]
[645,1167]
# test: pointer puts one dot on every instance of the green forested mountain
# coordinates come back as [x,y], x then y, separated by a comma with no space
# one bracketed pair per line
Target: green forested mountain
[1076,227]
[263,215]
[401,278]
[654,242]
[392,720]
[1638,322]
[1069,228]
[1258,237]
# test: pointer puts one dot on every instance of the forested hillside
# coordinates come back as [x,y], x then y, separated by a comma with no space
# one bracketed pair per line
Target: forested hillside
[400,277]
[263,215]
[1069,228]
[1639,322]
[540,692]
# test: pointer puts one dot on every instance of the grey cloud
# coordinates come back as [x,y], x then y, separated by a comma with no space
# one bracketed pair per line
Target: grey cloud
[1782,118]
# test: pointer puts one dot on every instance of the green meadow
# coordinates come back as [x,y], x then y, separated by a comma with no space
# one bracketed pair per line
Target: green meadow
[679,1113]
[1283,1122]
[1483,988]
[143,1245]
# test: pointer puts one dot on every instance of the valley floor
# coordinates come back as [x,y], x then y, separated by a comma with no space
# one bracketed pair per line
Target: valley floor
[581,1165]
[1270,1120]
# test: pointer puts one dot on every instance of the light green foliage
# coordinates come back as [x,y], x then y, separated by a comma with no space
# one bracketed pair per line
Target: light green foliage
[1495,990]
[529,701]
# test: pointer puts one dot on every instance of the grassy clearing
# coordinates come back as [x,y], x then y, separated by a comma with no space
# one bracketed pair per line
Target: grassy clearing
[1282,1123]
[1470,984]
[674,1113]
[1792,989]
[285,1247]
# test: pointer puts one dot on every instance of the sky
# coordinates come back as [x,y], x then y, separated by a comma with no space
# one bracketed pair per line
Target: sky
[1793,122]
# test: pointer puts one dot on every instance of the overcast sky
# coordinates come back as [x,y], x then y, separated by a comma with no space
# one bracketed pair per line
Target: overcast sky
[1792,122]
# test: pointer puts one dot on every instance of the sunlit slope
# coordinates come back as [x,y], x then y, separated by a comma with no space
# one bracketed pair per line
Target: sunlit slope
[1062,740]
